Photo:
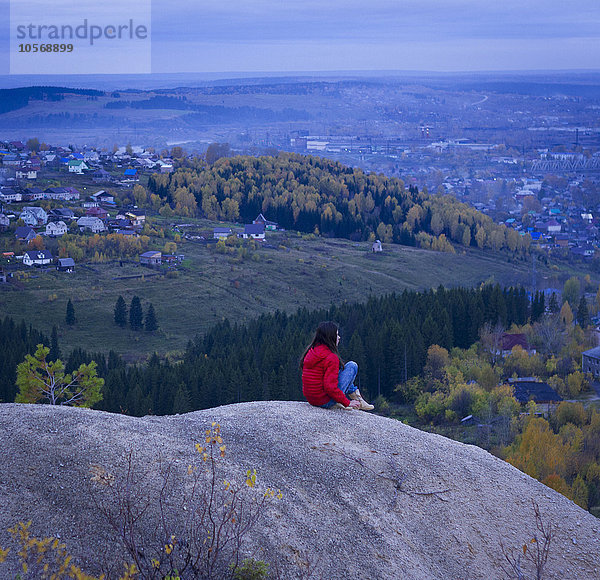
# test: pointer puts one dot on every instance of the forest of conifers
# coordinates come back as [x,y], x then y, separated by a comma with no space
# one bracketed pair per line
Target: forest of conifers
[312,194]
[387,336]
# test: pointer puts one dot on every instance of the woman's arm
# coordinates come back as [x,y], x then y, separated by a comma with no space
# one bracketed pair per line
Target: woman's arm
[330,380]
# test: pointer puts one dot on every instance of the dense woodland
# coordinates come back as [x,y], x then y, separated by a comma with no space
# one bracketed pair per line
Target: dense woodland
[311,194]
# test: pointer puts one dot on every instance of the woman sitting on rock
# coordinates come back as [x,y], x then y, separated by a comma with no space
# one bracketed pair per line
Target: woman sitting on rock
[326,380]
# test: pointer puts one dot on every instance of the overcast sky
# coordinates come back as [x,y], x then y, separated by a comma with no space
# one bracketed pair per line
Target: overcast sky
[309,35]
[441,35]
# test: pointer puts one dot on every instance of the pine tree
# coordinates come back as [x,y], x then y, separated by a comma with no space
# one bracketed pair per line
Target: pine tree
[121,312]
[582,313]
[150,322]
[136,315]
[553,306]
[181,403]
[70,315]
[54,353]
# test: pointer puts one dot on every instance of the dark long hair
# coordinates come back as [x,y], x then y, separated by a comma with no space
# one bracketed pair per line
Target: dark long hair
[326,334]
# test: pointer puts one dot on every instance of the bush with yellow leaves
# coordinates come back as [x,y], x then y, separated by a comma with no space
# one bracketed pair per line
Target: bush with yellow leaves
[48,558]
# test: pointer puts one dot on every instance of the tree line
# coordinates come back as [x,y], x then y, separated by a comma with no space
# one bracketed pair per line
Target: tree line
[387,336]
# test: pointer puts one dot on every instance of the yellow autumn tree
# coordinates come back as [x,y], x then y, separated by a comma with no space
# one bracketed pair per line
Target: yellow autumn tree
[566,314]
[538,451]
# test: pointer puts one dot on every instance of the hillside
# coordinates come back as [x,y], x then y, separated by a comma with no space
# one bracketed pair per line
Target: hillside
[289,274]
[363,496]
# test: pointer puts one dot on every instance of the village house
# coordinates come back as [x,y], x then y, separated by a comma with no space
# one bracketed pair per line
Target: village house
[73,194]
[269,225]
[25,173]
[151,258]
[376,247]
[103,197]
[119,224]
[25,234]
[16,145]
[37,258]
[509,341]
[553,227]
[55,229]
[530,389]
[254,231]
[137,217]
[34,216]
[165,167]
[590,361]
[61,213]
[93,224]
[128,233]
[221,233]
[97,212]
[49,159]
[62,193]
[65,264]
[77,166]
[11,160]
[33,194]
[91,156]
[9,195]
[101,175]
[4,221]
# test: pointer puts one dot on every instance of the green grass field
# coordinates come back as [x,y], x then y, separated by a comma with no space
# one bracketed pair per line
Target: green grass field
[293,273]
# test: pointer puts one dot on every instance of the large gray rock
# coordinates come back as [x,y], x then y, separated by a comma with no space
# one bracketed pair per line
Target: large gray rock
[363,496]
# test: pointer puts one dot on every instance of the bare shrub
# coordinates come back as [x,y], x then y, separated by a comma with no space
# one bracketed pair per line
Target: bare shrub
[534,553]
[192,524]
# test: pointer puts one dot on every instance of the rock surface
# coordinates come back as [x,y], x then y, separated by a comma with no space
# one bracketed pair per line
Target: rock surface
[363,496]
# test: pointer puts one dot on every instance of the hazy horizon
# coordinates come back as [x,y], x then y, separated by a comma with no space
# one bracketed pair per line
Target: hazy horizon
[191,80]
[309,37]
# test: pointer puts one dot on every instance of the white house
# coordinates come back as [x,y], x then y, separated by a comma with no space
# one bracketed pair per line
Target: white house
[34,216]
[94,224]
[4,221]
[77,166]
[10,196]
[553,227]
[56,229]
[254,231]
[37,258]
[26,173]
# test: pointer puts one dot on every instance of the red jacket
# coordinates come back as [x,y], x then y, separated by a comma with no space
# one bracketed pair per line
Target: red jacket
[320,377]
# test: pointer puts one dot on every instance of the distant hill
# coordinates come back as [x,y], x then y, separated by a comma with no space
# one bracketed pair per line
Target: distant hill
[308,193]
[363,496]
[13,99]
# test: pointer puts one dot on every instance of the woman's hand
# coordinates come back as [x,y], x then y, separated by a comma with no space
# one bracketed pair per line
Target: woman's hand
[354,404]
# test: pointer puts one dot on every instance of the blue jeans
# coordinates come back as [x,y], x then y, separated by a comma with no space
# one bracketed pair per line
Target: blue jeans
[345,382]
